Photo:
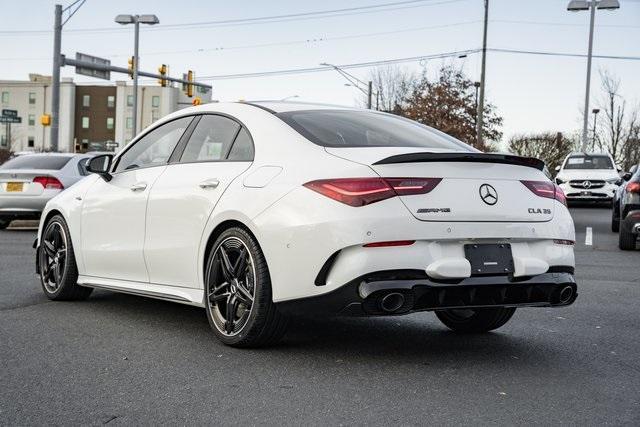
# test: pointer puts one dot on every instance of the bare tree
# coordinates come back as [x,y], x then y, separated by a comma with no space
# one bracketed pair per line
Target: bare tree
[613,130]
[391,86]
[548,146]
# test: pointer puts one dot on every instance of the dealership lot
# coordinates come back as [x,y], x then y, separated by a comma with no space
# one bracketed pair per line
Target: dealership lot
[122,359]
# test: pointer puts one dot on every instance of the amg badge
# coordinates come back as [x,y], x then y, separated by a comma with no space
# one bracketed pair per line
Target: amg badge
[434,210]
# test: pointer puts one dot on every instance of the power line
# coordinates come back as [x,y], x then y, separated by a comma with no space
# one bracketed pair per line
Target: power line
[384,7]
[344,66]
[404,60]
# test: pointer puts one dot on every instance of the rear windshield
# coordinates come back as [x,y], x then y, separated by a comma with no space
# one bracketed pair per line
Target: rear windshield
[588,162]
[30,161]
[345,128]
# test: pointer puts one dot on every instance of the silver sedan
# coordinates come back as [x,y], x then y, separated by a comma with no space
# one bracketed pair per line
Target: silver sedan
[28,182]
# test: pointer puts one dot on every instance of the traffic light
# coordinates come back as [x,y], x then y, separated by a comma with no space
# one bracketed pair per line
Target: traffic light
[45,120]
[196,101]
[189,86]
[163,72]
[131,62]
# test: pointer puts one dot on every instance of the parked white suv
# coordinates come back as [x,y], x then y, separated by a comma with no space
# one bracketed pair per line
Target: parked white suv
[588,177]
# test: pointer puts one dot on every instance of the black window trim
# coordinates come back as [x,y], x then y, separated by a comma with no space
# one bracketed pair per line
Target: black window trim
[142,135]
[182,146]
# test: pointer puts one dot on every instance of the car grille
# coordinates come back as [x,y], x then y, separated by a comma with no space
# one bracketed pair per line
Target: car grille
[586,183]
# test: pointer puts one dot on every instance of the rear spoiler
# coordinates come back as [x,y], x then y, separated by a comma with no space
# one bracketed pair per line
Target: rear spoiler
[507,159]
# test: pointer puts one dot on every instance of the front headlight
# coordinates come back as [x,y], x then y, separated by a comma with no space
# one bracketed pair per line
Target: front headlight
[559,181]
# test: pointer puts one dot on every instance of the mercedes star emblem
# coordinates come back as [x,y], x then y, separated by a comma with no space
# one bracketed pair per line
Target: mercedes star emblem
[586,184]
[488,194]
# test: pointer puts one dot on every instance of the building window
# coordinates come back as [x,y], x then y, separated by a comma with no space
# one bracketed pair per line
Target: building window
[129,100]
[31,142]
[109,123]
[32,120]
[154,115]
[32,98]
[129,122]
[155,101]
[86,100]
[111,101]
[5,97]
[85,123]
[3,140]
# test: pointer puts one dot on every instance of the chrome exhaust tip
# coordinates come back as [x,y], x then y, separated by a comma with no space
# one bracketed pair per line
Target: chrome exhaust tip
[392,302]
[565,295]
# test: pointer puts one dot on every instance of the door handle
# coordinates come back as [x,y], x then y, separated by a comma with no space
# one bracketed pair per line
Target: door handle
[138,186]
[209,183]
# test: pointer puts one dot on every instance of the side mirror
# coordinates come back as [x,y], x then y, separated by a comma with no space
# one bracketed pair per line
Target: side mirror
[627,176]
[101,165]
[618,168]
[557,168]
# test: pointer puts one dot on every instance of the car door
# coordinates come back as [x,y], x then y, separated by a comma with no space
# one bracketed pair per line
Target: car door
[113,212]
[182,199]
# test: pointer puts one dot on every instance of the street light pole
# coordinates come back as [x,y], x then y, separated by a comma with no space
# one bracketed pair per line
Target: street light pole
[482,75]
[355,82]
[369,95]
[585,121]
[591,6]
[136,20]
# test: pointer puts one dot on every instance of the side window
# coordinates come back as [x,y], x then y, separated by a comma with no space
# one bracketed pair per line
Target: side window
[242,149]
[211,139]
[154,148]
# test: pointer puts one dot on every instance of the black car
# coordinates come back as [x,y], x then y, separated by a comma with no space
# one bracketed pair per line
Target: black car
[625,217]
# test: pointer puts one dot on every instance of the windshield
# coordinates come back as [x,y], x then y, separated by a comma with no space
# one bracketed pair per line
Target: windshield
[588,162]
[345,128]
[30,161]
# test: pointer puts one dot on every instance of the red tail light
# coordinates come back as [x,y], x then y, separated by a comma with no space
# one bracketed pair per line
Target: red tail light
[633,187]
[49,182]
[364,191]
[547,190]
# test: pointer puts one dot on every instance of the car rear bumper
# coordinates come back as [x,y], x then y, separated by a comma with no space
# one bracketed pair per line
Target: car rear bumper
[395,293]
[24,206]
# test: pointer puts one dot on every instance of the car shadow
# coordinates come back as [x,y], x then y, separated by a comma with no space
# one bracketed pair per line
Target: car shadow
[416,338]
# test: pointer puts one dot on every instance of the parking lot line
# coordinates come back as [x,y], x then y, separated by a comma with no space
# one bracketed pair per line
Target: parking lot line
[588,238]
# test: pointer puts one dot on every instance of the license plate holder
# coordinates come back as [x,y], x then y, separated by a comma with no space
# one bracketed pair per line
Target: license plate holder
[15,187]
[489,259]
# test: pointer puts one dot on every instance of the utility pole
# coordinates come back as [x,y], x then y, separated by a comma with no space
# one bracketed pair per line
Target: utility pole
[57,63]
[370,95]
[55,78]
[482,75]
[136,38]
[595,112]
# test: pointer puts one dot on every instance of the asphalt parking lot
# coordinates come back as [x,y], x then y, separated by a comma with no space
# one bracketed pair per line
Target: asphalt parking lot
[122,359]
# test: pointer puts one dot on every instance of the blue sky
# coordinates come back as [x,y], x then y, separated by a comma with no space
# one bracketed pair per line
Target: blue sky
[533,93]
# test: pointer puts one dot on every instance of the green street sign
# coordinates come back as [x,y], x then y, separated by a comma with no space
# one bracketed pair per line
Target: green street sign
[9,113]
[10,119]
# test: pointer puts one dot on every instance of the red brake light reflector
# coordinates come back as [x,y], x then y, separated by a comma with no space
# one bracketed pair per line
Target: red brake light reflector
[364,191]
[633,187]
[49,182]
[546,189]
[391,243]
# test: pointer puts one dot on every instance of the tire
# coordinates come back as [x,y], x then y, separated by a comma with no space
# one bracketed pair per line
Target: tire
[615,222]
[475,320]
[4,223]
[58,269]
[240,291]
[626,241]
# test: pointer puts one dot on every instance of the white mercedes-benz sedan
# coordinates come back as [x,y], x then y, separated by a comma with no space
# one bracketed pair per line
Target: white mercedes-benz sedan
[258,211]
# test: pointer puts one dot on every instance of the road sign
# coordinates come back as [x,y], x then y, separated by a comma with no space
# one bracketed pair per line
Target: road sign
[99,74]
[9,119]
[9,113]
